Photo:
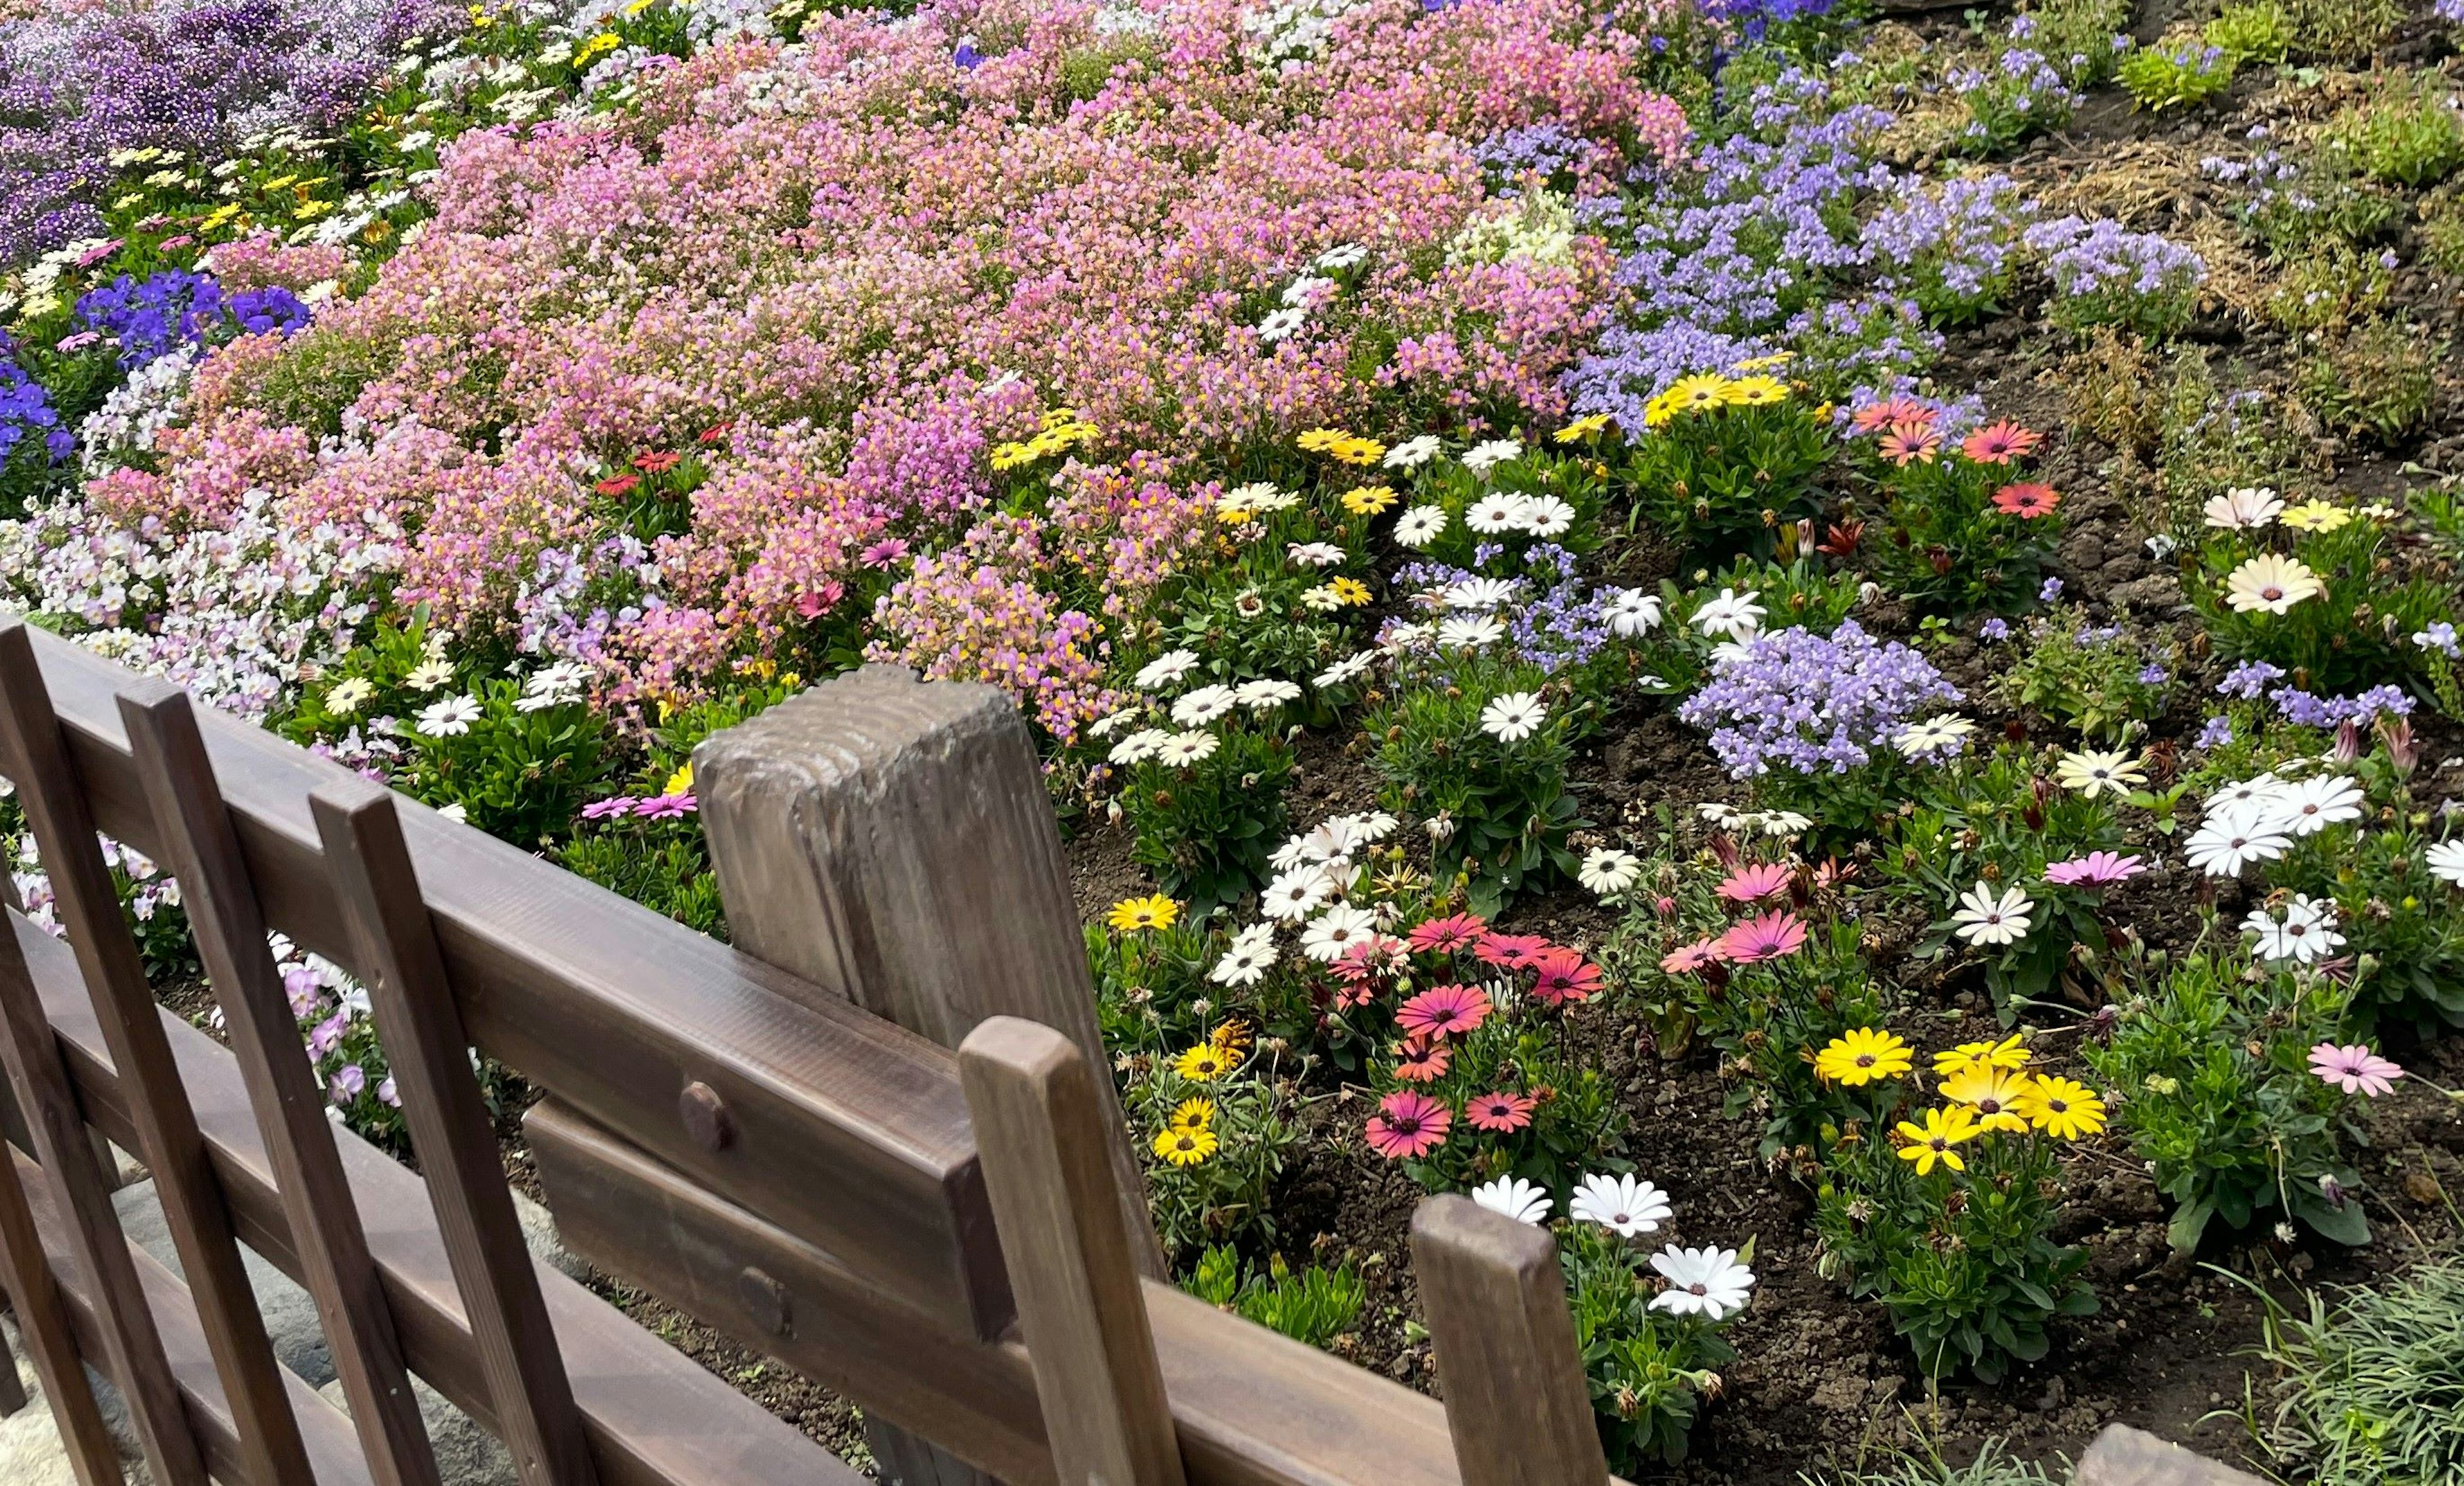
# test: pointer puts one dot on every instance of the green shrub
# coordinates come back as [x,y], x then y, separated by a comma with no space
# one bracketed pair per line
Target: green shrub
[2409,134]
[2257,30]
[2341,30]
[1313,1307]
[2372,1389]
[2182,73]
[2079,36]
[2378,377]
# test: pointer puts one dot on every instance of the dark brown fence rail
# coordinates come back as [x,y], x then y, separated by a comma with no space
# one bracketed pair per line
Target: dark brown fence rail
[894,1164]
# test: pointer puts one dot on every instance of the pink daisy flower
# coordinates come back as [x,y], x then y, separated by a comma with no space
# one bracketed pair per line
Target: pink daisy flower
[1512,951]
[1501,1114]
[1442,1011]
[2000,442]
[1443,935]
[1419,1063]
[1565,975]
[1693,958]
[1408,1124]
[2095,869]
[668,807]
[1770,937]
[2355,1069]
[1894,410]
[606,809]
[1756,882]
[1909,443]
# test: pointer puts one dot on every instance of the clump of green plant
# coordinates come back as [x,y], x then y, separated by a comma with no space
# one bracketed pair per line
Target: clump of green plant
[1961,527]
[2442,233]
[2107,385]
[2330,286]
[2257,30]
[2094,679]
[2370,1391]
[1314,1306]
[1207,804]
[1649,1367]
[1729,462]
[2182,72]
[1994,1465]
[2410,133]
[2341,30]
[2210,440]
[2019,94]
[2378,377]
[1213,1125]
[2085,39]
[2210,1064]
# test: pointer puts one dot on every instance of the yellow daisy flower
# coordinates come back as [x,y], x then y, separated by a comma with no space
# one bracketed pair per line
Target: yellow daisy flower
[1009,456]
[1993,1094]
[1656,412]
[2316,516]
[1694,394]
[1186,1148]
[2005,1054]
[1191,1114]
[1765,362]
[2063,1108]
[680,782]
[1318,441]
[1351,590]
[1754,391]
[1369,500]
[1204,1064]
[1862,1057]
[1585,428]
[1131,914]
[1932,1141]
[1358,452]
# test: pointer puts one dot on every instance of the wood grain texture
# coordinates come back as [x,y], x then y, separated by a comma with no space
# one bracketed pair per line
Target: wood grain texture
[1072,1265]
[2125,1456]
[332,1448]
[892,840]
[655,1417]
[845,1128]
[230,935]
[447,1116]
[52,798]
[1494,1296]
[43,1325]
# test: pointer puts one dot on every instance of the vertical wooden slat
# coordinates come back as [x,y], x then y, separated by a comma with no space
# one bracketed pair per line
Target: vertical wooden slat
[88,905]
[1080,1303]
[12,1389]
[221,901]
[1517,1403]
[48,1342]
[429,1056]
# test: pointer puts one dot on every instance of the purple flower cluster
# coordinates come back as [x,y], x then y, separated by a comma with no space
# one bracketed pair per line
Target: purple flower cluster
[1950,243]
[2304,710]
[1813,703]
[26,412]
[2103,270]
[175,308]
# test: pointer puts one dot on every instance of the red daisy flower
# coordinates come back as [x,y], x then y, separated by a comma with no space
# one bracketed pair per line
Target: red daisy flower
[1442,1011]
[1439,935]
[2000,442]
[1500,1113]
[1416,1062]
[2027,502]
[1565,975]
[659,461]
[618,485]
[1512,951]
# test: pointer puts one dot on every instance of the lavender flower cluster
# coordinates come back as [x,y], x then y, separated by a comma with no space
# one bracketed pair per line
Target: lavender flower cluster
[1948,244]
[1813,703]
[2251,679]
[2101,258]
[26,412]
[174,309]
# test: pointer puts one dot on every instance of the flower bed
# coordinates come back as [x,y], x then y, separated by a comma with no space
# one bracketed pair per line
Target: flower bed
[1615,623]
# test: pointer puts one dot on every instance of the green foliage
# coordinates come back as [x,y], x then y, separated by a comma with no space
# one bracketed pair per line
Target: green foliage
[1727,476]
[1648,1369]
[1994,1465]
[2084,30]
[2255,31]
[1313,1307]
[2400,921]
[2086,677]
[2410,134]
[2213,1090]
[2371,1391]
[2180,73]
[2328,286]
[2341,30]
[1220,1197]
[660,866]
[1944,545]
[2356,634]
[1204,829]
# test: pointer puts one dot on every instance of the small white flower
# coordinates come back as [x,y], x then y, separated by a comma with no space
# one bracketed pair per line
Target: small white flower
[554,685]
[2245,509]
[2161,546]
[1624,1205]
[1513,717]
[1323,599]
[347,696]
[1336,930]
[1608,871]
[2258,795]
[1306,290]
[1316,555]
[1247,958]
[1932,735]
[2303,935]
[1183,748]
[1281,325]
[1165,669]
[1266,693]
[1140,746]
[1987,920]
[1482,593]
[1295,895]
[1420,526]
[1414,452]
[449,718]
[1495,514]
[2447,863]
[1204,705]
[2314,804]
[1348,669]
[1104,727]
[1482,457]
[1631,612]
[1470,632]
[428,676]
[1336,259]
[1516,1198]
[1732,614]
[2233,839]
[458,813]
[2092,772]
[1707,1283]
[1547,517]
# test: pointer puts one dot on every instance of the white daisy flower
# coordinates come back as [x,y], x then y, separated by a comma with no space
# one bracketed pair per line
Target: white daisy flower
[2314,804]
[1483,593]
[428,675]
[1608,871]
[1103,727]
[1323,599]
[1204,705]
[1295,895]
[1336,259]
[1932,735]
[1707,1283]
[1985,919]
[1336,930]
[2303,935]
[1732,614]
[1631,612]
[2259,793]
[1283,325]
[1495,514]
[1247,958]
[1306,290]
[1513,717]
[1624,1205]
[1414,452]
[1266,693]
[1183,748]
[1348,669]
[1140,746]
[1420,526]
[1470,632]
[1315,554]
[449,718]
[2447,863]
[2231,839]
[1516,1198]
[553,685]
[1165,669]
[2245,509]
[1547,517]
[1489,453]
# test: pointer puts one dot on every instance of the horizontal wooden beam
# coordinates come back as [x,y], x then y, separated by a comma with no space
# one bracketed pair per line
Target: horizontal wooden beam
[829,1120]
[1250,1407]
[652,1415]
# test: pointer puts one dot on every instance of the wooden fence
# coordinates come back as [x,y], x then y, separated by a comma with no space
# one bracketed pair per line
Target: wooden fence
[875,1143]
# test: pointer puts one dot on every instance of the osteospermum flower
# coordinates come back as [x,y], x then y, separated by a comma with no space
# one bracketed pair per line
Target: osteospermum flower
[1510,951]
[1191,1114]
[1184,748]
[2062,1108]
[449,718]
[1131,914]
[1247,958]
[1513,717]
[1368,500]
[1442,1012]
[2233,839]
[1623,1205]
[2305,934]
[2354,1068]
[2243,509]
[1408,1124]
[2095,869]
[1733,614]
[1500,1113]
[1516,1198]
[2447,863]
[1911,443]
[1933,737]
[1937,1140]
[1630,612]
[2270,584]
[1204,1064]
[2000,442]
[1756,881]
[2308,806]
[1186,1146]
[1993,1093]
[1420,526]
[2316,516]
[1771,936]
[2009,1053]
[1443,935]
[1421,1062]
[1705,1282]
[2092,772]
[1608,871]
[1699,393]
[1565,976]
[1984,918]
[2026,500]
[1754,392]
[1336,930]
[1863,1056]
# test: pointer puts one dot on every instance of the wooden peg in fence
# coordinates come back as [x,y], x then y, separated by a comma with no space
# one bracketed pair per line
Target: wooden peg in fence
[221,901]
[1517,1402]
[1041,1127]
[43,1323]
[420,1027]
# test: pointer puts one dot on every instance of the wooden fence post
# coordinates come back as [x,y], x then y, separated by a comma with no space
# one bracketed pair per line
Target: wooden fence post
[1081,1303]
[1517,1402]
[891,840]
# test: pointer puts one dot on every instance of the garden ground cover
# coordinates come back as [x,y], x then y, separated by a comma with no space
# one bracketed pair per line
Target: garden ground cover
[1614,598]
